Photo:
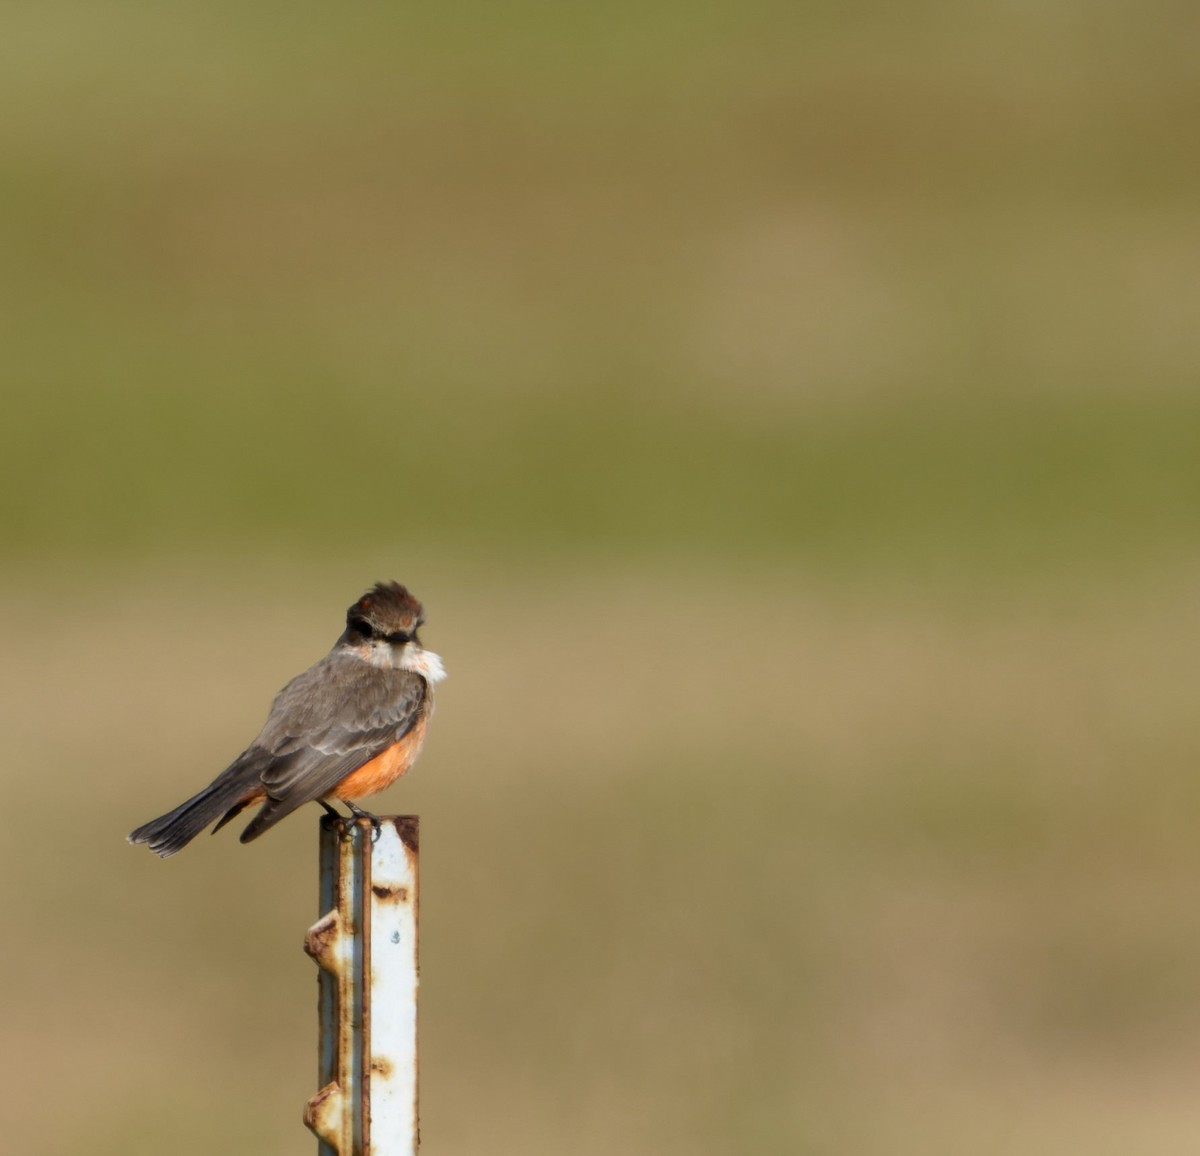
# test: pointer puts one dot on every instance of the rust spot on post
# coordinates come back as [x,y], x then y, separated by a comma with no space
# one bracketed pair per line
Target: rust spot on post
[408,828]
[322,939]
[390,894]
[323,1114]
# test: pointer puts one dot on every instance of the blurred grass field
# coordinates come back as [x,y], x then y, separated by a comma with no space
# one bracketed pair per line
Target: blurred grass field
[788,414]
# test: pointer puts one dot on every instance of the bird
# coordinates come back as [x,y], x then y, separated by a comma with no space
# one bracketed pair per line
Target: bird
[348,727]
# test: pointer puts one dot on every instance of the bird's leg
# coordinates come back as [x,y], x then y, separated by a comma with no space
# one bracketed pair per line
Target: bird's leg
[359,813]
[330,810]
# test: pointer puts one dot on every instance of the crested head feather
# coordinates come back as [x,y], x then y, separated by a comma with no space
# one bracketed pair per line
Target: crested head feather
[388,608]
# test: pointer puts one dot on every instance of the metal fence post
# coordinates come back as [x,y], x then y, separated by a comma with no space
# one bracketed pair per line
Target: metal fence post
[366,946]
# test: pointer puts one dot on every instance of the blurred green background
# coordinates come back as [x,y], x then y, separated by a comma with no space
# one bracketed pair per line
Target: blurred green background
[789,416]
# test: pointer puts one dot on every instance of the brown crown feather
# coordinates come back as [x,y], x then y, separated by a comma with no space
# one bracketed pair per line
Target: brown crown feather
[389,608]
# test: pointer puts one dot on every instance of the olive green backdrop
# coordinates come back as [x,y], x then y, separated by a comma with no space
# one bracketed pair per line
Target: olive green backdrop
[789,415]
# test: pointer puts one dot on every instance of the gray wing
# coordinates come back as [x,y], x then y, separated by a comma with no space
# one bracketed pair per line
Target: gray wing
[328,722]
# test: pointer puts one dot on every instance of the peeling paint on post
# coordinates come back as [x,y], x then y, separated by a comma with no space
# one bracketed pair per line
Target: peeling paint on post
[366,946]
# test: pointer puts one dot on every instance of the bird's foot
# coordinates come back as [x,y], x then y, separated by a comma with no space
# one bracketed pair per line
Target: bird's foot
[359,813]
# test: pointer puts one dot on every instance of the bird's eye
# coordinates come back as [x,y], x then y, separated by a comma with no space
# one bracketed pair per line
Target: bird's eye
[362,626]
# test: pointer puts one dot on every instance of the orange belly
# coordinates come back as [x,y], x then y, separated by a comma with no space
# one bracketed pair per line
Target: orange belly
[384,769]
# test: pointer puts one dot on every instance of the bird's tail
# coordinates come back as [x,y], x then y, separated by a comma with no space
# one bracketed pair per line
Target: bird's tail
[177,828]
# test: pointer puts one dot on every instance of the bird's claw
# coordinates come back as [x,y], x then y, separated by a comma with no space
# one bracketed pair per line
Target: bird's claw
[374,820]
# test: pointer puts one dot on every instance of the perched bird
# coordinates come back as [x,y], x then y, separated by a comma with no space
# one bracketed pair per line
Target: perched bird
[347,727]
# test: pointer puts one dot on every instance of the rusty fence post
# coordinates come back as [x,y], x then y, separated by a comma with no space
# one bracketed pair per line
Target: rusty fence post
[366,946]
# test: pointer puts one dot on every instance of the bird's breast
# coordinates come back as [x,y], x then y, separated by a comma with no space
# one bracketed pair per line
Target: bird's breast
[385,768]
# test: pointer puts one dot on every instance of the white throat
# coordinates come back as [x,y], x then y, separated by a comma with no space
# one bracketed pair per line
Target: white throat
[423,662]
[405,656]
